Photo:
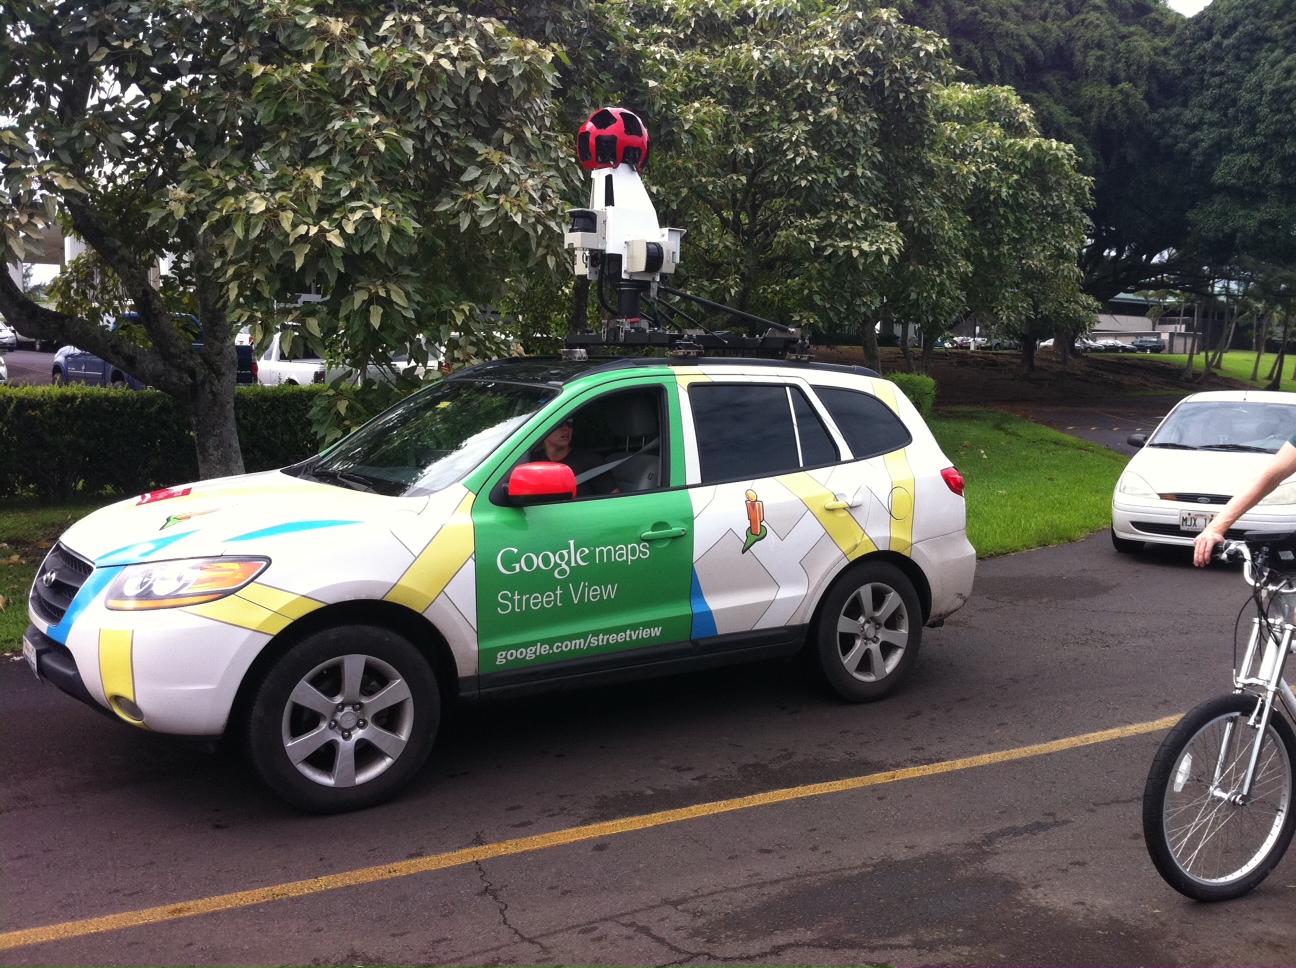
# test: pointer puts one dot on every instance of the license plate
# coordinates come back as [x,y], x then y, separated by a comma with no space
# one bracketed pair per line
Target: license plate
[1195,520]
[29,653]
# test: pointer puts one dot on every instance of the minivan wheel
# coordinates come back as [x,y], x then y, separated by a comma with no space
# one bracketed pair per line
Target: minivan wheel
[344,719]
[868,633]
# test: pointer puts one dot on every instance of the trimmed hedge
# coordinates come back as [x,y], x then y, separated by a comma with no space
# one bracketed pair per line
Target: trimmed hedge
[921,390]
[59,442]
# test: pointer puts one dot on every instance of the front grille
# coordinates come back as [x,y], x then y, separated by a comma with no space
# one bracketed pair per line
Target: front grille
[1197,498]
[1174,531]
[60,577]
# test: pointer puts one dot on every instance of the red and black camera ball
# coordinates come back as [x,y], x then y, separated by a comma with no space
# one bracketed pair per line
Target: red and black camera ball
[612,137]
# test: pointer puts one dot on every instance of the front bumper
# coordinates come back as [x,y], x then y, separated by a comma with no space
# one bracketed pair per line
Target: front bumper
[1158,523]
[54,664]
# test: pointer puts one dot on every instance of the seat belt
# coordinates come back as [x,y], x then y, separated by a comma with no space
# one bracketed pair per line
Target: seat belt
[604,468]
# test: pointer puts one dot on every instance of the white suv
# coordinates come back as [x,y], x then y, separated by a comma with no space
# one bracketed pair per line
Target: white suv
[697,512]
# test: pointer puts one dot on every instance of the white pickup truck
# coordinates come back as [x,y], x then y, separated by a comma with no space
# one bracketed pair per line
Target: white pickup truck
[295,367]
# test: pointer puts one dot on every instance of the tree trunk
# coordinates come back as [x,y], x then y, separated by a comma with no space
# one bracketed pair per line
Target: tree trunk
[580,306]
[1196,340]
[1262,327]
[1275,381]
[209,398]
[868,340]
[905,351]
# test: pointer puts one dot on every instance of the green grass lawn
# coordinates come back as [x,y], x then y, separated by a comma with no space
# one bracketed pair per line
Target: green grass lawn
[1238,365]
[1027,486]
[26,533]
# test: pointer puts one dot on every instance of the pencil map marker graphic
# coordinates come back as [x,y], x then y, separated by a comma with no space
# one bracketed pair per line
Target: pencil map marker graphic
[756,528]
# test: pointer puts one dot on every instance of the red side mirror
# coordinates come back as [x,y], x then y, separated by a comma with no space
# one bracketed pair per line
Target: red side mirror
[542,482]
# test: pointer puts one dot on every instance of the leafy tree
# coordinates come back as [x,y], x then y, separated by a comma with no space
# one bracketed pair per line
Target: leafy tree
[1096,73]
[787,138]
[1234,129]
[401,159]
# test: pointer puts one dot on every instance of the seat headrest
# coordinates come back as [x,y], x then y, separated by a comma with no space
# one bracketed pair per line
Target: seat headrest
[633,416]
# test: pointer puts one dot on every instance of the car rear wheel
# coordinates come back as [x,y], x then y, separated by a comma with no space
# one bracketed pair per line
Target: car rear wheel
[1124,545]
[868,632]
[344,719]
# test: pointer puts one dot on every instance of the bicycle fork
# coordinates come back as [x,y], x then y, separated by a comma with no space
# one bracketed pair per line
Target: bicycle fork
[1260,673]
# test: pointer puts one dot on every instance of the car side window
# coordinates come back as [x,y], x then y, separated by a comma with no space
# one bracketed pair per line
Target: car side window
[747,431]
[614,444]
[869,425]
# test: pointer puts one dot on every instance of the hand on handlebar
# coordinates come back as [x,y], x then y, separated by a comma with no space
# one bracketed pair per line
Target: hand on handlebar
[1204,546]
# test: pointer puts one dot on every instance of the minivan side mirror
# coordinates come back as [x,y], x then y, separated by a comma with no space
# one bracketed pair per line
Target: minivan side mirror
[1136,440]
[540,482]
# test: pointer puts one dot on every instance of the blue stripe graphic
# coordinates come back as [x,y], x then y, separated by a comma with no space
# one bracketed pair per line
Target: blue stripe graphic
[703,621]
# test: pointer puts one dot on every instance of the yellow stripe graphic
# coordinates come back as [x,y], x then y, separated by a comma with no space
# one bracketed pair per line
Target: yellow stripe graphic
[525,845]
[278,600]
[901,501]
[117,670]
[841,527]
[447,552]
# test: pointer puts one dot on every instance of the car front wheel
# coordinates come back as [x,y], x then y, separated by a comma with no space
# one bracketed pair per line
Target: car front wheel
[868,633]
[344,719]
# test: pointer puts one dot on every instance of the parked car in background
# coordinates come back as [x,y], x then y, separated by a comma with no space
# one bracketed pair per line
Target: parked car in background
[296,365]
[74,365]
[1149,344]
[1003,343]
[1110,344]
[4,373]
[1208,448]
[8,338]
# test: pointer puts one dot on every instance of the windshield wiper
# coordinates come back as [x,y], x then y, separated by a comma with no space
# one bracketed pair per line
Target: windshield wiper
[1243,448]
[1171,446]
[354,481]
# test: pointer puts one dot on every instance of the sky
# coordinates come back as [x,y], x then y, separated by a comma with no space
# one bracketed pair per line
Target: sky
[1187,7]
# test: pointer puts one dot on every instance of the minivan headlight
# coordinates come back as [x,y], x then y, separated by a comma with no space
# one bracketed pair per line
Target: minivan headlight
[172,584]
[1131,485]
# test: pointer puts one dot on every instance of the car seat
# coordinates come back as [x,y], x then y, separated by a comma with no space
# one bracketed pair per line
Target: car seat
[633,421]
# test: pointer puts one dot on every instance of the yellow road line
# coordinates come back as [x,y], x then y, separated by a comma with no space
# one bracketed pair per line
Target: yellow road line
[524,845]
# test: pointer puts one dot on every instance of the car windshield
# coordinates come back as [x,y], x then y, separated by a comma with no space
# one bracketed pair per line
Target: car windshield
[429,440]
[1234,425]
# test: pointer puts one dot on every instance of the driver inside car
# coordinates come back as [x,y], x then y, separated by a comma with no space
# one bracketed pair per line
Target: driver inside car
[559,446]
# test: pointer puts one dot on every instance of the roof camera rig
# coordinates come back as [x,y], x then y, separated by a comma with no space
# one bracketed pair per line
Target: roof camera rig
[624,252]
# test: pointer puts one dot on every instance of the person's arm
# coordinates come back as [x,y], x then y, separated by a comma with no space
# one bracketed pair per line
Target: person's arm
[1278,470]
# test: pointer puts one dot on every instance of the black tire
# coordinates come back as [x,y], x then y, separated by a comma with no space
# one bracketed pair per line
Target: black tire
[319,701]
[1204,845]
[869,629]
[56,377]
[1124,545]
[118,382]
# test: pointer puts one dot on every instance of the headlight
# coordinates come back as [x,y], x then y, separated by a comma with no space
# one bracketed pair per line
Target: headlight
[171,584]
[1282,494]
[1131,485]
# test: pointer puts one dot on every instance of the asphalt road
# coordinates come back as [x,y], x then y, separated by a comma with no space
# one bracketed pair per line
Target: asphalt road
[28,366]
[1035,860]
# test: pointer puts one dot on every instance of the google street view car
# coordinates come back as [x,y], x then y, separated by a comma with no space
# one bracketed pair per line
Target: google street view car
[723,509]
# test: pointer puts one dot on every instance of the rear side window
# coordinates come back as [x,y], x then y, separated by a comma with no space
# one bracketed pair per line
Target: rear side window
[745,431]
[869,425]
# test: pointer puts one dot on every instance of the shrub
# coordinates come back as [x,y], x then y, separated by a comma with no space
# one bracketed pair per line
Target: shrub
[921,390]
[59,442]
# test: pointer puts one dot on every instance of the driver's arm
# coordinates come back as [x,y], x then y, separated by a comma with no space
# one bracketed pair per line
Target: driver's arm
[1278,470]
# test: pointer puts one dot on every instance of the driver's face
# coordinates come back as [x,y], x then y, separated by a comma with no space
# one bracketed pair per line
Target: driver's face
[560,436]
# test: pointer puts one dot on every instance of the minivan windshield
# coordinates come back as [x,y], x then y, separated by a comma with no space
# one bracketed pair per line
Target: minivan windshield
[429,440]
[1227,425]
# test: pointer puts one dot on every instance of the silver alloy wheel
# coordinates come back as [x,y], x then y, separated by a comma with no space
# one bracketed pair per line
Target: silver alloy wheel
[347,720]
[872,631]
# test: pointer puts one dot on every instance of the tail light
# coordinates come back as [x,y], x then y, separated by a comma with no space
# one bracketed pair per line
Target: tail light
[255,370]
[953,480]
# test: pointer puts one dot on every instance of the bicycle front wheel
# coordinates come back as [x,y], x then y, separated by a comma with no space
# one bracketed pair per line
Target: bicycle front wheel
[1206,841]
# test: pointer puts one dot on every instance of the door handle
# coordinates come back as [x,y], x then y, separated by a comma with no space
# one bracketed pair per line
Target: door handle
[840,505]
[661,533]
